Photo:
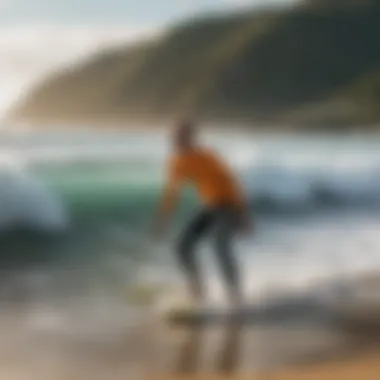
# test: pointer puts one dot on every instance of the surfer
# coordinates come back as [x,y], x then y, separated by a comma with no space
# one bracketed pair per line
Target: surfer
[224,209]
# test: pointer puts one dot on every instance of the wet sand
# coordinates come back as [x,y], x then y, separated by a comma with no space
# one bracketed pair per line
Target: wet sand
[236,352]
[305,344]
[231,352]
[365,367]
[289,344]
[362,367]
[275,355]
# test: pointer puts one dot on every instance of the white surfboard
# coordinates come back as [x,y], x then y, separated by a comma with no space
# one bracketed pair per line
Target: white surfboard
[275,311]
[207,314]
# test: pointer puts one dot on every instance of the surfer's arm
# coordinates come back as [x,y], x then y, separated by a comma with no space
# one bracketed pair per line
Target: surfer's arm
[169,198]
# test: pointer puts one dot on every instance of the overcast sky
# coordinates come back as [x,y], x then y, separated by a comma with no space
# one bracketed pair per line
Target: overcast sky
[148,13]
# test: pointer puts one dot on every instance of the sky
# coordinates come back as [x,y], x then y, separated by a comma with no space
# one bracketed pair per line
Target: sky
[146,13]
[40,36]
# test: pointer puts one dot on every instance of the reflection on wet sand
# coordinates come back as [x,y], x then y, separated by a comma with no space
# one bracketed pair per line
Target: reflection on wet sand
[227,355]
[199,352]
[236,350]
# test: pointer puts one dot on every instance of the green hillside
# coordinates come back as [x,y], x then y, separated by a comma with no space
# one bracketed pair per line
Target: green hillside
[316,63]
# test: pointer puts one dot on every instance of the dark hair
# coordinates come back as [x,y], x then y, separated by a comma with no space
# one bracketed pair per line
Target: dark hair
[185,126]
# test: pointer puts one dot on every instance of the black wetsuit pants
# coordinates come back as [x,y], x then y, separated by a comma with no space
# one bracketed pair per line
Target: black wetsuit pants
[222,223]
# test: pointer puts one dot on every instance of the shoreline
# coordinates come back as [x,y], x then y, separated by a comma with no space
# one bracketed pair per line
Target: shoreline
[254,127]
[226,129]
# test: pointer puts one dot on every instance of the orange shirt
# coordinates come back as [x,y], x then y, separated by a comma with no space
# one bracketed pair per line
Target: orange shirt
[213,180]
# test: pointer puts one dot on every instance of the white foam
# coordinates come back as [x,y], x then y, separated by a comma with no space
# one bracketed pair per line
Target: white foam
[25,202]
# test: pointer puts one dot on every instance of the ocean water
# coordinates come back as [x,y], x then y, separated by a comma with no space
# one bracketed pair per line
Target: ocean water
[75,212]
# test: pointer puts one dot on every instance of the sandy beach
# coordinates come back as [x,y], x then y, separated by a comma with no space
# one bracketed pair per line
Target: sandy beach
[366,367]
[289,340]
[360,362]
[305,344]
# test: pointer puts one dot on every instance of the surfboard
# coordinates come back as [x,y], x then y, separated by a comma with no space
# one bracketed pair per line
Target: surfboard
[205,315]
[276,311]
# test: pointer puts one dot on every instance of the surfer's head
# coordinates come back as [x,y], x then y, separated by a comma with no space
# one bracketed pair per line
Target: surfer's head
[184,135]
